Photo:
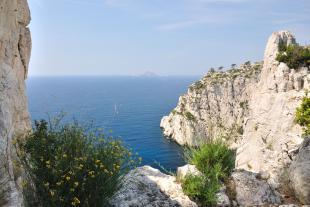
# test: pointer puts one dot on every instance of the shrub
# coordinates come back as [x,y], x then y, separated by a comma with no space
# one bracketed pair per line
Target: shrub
[71,166]
[201,189]
[214,155]
[302,116]
[294,56]
[189,116]
[215,161]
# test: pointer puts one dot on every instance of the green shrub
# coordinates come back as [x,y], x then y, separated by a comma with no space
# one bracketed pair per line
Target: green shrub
[189,116]
[201,189]
[198,85]
[215,161]
[302,116]
[214,155]
[71,166]
[294,56]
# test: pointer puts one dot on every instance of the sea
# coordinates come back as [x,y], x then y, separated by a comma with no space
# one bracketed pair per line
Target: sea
[128,108]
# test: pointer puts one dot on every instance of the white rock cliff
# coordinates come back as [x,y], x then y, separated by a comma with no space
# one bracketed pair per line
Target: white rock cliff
[15,46]
[252,108]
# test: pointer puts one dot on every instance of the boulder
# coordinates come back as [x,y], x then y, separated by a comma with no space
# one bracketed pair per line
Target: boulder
[299,173]
[186,170]
[247,189]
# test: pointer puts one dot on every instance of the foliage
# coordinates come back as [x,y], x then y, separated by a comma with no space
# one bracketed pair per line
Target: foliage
[294,55]
[71,166]
[3,180]
[189,116]
[214,155]
[201,188]
[302,116]
[215,161]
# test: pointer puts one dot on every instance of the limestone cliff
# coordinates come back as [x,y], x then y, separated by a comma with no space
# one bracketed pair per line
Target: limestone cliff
[253,108]
[15,46]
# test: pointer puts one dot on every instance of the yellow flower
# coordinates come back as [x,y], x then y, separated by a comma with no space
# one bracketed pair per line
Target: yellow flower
[47,162]
[58,183]
[75,201]
[68,178]
[76,184]
[97,161]
[52,193]
[64,156]
[46,184]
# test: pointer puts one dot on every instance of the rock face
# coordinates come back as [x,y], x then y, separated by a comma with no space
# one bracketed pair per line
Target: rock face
[15,46]
[148,187]
[252,107]
[186,170]
[215,105]
[299,173]
[250,190]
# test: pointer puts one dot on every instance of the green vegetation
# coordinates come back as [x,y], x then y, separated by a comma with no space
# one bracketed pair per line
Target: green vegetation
[244,104]
[3,180]
[189,116]
[215,161]
[202,189]
[294,56]
[302,116]
[71,166]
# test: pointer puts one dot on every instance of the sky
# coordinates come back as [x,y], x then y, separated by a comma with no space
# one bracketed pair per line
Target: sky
[166,37]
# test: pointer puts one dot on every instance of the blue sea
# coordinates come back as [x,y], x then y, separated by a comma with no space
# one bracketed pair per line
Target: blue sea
[129,108]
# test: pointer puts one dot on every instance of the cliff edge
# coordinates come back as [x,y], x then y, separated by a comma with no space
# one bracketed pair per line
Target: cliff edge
[15,46]
[252,107]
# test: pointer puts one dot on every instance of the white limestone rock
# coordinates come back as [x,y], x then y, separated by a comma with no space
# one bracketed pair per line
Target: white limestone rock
[222,198]
[186,170]
[15,46]
[299,173]
[148,187]
[215,105]
[249,190]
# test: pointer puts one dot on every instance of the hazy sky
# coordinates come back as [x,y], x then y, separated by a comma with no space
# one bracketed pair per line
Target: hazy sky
[168,37]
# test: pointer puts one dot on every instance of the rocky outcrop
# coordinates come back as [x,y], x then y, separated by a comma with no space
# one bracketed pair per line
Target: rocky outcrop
[299,173]
[252,107]
[215,105]
[15,46]
[186,170]
[147,187]
[250,189]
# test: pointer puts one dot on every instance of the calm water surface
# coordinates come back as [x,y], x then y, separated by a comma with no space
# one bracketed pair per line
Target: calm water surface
[129,107]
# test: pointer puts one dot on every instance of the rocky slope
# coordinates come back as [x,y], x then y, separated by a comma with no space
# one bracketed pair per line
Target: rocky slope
[146,186]
[15,46]
[252,107]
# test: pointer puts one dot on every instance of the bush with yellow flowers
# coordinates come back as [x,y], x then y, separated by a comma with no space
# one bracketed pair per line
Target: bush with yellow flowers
[69,165]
